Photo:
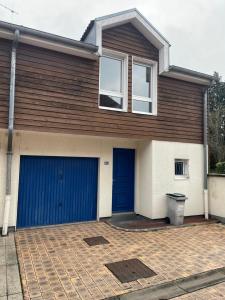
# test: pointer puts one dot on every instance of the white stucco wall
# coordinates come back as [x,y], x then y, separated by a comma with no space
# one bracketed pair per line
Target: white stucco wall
[30,143]
[144,175]
[164,181]
[154,175]
[216,187]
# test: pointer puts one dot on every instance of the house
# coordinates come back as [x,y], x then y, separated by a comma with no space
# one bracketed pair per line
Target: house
[98,126]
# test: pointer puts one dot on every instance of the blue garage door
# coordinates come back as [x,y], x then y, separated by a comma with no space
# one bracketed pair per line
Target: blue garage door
[56,190]
[123,180]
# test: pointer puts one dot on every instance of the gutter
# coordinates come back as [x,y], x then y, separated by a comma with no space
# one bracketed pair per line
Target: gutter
[188,75]
[49,41]
[205,149]
[10,134]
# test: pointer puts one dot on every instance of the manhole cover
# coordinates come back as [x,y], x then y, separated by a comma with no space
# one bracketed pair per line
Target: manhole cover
[96,240]
[130,270]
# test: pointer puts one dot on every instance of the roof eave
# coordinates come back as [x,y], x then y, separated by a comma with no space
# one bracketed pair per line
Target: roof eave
[188,75]
[48,41]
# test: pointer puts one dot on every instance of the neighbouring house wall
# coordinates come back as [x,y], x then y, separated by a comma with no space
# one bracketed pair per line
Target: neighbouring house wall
[216,187]
[31,143]
[164,181]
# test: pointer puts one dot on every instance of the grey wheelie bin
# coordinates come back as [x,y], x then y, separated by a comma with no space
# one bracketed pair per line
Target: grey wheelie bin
[176,204]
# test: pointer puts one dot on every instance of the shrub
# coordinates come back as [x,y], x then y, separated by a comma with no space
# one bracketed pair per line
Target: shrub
[220,167]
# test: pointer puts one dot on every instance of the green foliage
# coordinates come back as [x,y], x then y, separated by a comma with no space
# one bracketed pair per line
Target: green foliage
[220,167]
[216,129]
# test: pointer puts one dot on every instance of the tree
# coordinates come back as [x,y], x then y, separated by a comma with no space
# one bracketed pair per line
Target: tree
[216,121]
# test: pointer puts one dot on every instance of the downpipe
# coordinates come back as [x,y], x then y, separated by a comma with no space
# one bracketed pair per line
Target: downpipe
[10,134]
[205,195]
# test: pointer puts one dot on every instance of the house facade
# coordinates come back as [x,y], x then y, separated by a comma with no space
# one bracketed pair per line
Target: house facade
[100,126]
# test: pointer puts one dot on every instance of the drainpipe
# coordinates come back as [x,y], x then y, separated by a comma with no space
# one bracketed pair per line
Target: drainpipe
[10,134]
[206,201]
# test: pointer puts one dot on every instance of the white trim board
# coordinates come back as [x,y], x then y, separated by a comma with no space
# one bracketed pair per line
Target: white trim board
[134,17]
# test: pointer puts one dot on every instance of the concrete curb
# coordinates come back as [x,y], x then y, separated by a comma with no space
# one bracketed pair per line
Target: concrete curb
[175,288]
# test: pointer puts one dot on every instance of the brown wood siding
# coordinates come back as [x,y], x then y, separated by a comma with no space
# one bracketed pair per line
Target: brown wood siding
[127,39]
[56,92]
[180,104]
[5,51]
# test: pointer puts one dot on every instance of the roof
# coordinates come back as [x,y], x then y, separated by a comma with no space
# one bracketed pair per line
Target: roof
[93,32]
[88,50]
[188,75]
[26,32]
[92,22]
[87,30]
[190,72]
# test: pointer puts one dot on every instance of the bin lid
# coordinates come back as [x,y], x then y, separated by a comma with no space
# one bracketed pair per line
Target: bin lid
[176,195]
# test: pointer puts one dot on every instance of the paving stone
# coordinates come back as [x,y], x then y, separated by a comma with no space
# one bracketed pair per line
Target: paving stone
[2,256]
[2,241]
[10,240]
[16,297]
[3,281]
[13,280]
[11,256]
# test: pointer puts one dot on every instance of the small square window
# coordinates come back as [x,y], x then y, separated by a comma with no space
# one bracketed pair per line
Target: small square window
[181,168]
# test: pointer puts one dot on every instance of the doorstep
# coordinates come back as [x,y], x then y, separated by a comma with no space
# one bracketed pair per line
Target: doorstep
[136,223]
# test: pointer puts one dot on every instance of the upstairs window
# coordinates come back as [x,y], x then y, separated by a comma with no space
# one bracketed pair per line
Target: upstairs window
[113,81]
[144,92]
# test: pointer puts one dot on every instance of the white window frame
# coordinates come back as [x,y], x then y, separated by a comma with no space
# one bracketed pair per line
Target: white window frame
[185,174]
[154,84]
[124,94]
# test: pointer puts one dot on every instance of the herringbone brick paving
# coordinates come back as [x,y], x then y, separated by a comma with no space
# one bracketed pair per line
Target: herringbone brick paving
[55,262]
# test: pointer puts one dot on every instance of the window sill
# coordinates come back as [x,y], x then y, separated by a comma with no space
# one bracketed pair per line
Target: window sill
[181,177]
[143,113]
[113,109]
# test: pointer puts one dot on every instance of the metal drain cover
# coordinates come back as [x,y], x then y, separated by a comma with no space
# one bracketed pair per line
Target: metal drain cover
[96,240]
[130,270]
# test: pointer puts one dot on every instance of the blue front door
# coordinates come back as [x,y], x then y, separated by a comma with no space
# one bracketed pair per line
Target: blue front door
[123,180]
[57,190]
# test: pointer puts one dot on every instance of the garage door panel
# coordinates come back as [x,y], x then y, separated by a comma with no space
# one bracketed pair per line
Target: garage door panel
[57,190]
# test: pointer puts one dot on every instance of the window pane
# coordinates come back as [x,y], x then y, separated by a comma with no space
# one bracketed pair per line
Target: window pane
[141,81]
[111,101]
[179,168]
[111,74]
[142,106]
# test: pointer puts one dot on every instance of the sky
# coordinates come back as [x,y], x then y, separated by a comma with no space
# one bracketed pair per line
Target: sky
[194,28]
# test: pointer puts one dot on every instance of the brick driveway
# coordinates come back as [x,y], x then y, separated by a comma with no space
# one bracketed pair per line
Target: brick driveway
[56,263]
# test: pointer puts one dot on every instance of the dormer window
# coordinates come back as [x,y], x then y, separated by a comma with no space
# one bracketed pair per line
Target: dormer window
[113,81]
[144,86]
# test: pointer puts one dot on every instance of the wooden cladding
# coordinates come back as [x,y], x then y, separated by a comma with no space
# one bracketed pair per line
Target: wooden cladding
[57,92]
[5,56]
[127,39]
